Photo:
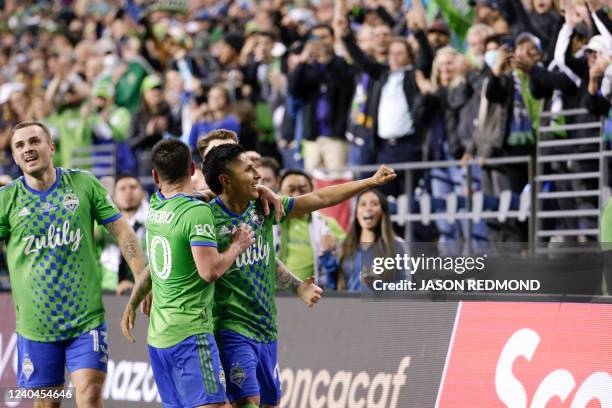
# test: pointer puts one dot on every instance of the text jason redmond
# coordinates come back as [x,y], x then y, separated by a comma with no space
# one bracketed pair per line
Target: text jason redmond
[459,285]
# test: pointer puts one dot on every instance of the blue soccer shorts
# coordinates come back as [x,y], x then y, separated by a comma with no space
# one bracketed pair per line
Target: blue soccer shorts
[42,364]
[189,374]
[252,368]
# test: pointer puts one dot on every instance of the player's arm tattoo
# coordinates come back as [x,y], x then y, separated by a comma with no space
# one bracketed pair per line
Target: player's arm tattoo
[285,280]
[141,289]
[128,244]
[130,248]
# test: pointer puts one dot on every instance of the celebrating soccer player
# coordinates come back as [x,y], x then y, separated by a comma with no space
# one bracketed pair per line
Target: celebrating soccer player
[48,216]
[245,308]
[183,264]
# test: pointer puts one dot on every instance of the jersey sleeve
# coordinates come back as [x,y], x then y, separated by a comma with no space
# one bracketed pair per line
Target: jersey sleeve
[103,209]
[199,226]
[5,227]
[287,203]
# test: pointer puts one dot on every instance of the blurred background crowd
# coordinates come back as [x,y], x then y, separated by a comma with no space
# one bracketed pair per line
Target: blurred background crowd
[311,85]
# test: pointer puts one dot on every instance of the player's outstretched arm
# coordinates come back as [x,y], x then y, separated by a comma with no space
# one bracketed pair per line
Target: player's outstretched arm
[329,196]
[211,264]
[307,291]
[140,292]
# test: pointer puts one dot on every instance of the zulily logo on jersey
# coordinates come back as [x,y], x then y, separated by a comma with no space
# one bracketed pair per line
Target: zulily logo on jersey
[55,237]
[255,253]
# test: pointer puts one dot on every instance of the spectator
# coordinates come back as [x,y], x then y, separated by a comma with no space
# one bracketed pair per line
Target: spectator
[130,74]
[509,105]
[130,198]
[255,157]
[14,110]
[150,123]
[259,67]
[307,244]
[228,52]
[324,82]
[109,122]
[215,114]
[441,140]
[438,34]
[67,92]
[396,103]
[270,173]
[371,235]
[291,131]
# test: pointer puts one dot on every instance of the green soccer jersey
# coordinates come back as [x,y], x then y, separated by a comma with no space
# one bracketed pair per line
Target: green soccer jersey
[55,276]
[182,300]
[244,296]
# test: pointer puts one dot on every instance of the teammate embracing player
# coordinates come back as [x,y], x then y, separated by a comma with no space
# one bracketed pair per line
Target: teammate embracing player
[245,307]
[183,264]
[47,217]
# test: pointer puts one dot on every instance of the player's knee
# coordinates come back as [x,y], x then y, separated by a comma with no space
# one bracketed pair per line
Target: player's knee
[90,395]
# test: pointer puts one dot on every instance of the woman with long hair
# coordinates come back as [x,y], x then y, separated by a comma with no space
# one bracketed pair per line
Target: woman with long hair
[370,236]
[214,114]
[442,143]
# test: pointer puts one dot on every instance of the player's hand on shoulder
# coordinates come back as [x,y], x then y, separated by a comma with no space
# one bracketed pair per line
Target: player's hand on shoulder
[243,236]
[309,292]
[267,197]
[383,175]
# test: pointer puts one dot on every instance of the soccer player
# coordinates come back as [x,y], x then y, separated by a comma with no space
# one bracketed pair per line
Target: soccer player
[47,216]
[245,308]
[307,290]
[183,264]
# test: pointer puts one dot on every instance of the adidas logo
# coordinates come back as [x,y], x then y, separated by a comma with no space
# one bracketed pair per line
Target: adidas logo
[24,211]
[104,359]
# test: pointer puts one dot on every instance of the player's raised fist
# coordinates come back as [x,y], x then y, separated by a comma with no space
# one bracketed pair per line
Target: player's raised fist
[243,236]
[383,175]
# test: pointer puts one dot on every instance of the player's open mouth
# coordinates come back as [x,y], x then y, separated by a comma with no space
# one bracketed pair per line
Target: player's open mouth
[30,159]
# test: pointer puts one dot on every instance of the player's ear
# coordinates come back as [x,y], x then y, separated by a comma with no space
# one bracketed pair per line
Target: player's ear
[192,168]
[224,179]
[155,177]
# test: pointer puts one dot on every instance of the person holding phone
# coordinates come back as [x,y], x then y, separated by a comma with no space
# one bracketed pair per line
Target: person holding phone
[324,81]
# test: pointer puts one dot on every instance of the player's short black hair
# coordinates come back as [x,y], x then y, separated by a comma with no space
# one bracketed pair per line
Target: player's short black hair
[171,159]
[216,163]
[296,172]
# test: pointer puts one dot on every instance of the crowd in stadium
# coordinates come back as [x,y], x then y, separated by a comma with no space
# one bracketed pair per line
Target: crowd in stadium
[306,85]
